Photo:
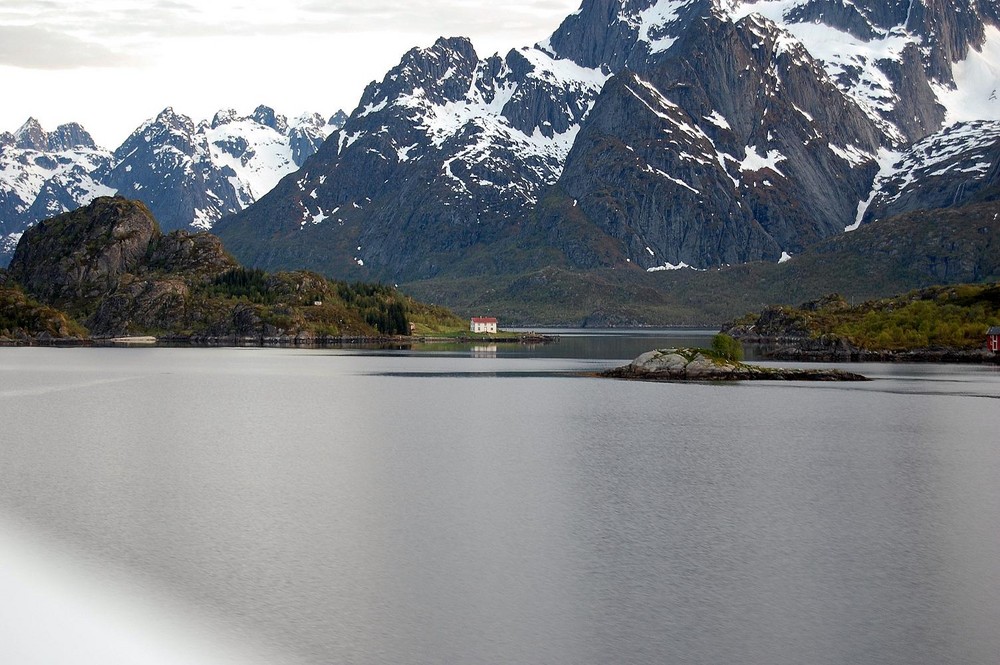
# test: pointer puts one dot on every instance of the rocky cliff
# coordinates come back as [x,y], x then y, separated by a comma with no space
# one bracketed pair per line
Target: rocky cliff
[650,134]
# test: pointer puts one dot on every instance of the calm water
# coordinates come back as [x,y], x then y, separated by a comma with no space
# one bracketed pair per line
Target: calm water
[493,506]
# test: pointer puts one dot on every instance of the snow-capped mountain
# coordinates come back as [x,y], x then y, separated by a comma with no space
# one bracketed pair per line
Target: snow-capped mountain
[654,133]
[188,174]
[946,169]
[43,174]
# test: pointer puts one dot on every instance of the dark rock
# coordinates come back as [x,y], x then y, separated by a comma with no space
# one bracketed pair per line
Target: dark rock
[77,257]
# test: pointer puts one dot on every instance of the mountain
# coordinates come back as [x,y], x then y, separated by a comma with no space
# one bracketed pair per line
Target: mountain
[42,174]
[644,134]
[189,174]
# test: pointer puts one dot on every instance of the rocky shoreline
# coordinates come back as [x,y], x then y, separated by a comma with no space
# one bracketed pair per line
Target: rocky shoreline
[687,364]
[838,350]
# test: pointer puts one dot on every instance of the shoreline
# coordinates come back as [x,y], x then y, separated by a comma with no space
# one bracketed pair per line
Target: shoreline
[273,341]
[809,350]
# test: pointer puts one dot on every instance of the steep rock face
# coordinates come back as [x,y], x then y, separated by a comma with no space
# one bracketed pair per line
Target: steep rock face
[724,132]
[947,169]
[109,264]
[167,164]
[78,256]
[447,154]
[739,151]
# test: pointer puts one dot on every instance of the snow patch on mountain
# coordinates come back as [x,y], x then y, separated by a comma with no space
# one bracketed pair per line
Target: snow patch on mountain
[754,161]
[8,243]
[976,93]
[951,162]
[849,61]
[652,25]
[258,155]
[25,172]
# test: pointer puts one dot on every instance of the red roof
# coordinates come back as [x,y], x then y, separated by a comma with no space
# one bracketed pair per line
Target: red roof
[483,319]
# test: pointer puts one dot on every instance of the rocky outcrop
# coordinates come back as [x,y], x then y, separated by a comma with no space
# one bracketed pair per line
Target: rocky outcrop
[25,321]
[109,264]
[76,258]
[686,364]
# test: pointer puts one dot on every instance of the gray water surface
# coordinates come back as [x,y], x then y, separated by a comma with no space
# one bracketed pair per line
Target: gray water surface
[452,508]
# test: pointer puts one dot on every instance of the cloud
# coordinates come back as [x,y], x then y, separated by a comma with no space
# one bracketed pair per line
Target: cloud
[446,17]
[127,23]
[32,47]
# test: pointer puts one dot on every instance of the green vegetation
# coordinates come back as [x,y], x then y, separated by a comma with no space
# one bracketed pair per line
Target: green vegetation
[246,283]
[724,346]
[289,303]
[20,316]
[943,316]
[955,316]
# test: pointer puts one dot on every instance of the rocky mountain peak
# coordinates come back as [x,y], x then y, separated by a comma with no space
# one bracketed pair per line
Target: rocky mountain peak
[70,135]
[80,255]
[224,117]
[441,73]
[266,116]
[31,136]
[337,120]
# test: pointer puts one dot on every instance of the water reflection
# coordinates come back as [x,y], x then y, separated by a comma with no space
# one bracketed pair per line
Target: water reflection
[484,351]
[427,507]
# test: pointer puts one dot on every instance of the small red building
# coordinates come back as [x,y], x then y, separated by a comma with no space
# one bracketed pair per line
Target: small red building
[993,339]
[483,324]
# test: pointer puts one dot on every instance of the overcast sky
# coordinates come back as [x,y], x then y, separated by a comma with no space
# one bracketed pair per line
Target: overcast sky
[110,64]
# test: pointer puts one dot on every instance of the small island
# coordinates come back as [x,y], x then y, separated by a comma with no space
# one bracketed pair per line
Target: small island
[690,364]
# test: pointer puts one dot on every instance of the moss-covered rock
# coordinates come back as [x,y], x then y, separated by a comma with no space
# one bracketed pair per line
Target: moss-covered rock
[25,321]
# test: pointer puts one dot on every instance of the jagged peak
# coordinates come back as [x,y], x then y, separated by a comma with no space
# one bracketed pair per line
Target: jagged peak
[31,136]
[337,120]
[30,124]
[265,115]
[224,117]
[70,135]
[441,72]
[169,118]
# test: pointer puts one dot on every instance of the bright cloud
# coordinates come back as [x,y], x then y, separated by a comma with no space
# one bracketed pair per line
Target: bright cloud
[122,61]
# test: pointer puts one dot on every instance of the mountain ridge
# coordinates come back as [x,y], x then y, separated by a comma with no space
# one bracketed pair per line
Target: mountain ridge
[190,173]
[642,133]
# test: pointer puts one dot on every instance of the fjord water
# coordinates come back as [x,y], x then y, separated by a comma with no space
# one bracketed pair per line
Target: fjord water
[497,505]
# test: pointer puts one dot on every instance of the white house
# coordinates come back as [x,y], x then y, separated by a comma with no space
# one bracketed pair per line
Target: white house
[483,324]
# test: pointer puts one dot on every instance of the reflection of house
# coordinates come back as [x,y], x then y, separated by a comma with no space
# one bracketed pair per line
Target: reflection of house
[483,324]
[993,339]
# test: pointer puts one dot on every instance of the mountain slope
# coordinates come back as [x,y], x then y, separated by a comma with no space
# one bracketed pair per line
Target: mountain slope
[44,173]
[189,174]
[649,133]
[447,153]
